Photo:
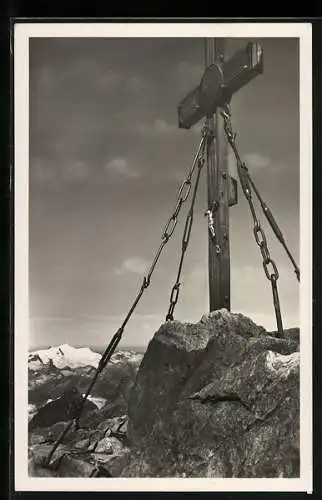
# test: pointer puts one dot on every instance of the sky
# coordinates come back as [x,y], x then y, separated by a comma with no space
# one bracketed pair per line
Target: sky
[106,161]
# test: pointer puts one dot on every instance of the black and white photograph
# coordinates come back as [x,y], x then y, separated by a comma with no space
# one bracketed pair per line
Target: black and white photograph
[163,329]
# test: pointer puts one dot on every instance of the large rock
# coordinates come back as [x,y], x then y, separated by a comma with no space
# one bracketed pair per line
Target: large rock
[219,398]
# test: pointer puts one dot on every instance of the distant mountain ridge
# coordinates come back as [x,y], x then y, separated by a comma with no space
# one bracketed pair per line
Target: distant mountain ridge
[63,372]
[65,356]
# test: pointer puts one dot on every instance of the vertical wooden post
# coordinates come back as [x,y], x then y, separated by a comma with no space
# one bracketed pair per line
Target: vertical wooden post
[218,188]
[239,70]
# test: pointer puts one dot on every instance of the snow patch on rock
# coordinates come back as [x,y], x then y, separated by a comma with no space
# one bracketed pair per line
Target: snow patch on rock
[281,364]
[98,401]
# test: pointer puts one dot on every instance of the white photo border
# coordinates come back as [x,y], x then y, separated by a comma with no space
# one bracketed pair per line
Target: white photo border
[22,33]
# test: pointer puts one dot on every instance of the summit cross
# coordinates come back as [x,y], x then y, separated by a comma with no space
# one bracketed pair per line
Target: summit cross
[220,81]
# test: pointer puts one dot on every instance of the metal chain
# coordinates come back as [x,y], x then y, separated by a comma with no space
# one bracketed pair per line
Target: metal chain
[185,239]
[266,210]
[272,273]
[167,232]
[272,222]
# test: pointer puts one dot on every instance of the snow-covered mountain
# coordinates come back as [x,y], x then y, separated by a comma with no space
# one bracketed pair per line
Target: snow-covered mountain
[63,356]
[130,356]
[66,356]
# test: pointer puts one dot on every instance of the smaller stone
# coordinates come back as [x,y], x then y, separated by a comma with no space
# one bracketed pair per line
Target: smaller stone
[104,446]
[58,428]
[36,439]
[94,438]
[84,443]
[81,434]
[100,458]
[35,470]
[41,452]
[103,426]
[92,445]
[117,423]
[124,427]
[50,434]
[74,467]
[115,464]
[112,425]
[109,445]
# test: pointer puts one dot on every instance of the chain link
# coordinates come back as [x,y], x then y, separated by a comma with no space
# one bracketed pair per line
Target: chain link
[187,231]
[185,185]
[185,239]
[166,234]
[259,234]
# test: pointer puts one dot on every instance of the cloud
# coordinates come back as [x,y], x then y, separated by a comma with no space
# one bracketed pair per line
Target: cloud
[83,67]
[117,318]
[188,75]
[46,77]
[137,334]
[93,73]
[252,160]
[175,175]
[102,78]
[161,127]
[137,84]
[109,78]
[158,127]
[135,265]
[251,275]
[77,171]
[52,174]
[74,331]
[196,281]
[92,70]
[255,160]
[50,319]
[120,166]
[133,83]
[42,171]
[252,295]
[268,321]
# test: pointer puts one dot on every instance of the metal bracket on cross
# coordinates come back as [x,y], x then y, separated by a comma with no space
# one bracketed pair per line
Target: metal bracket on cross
[232,191]
[218,83]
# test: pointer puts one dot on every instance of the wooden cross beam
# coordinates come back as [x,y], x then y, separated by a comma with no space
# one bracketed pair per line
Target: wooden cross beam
[219,82]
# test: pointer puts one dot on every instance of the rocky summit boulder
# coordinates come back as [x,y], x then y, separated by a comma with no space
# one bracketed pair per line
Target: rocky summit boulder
[219,398]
